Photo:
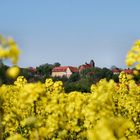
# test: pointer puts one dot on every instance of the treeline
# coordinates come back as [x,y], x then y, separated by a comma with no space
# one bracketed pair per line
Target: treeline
[81,81]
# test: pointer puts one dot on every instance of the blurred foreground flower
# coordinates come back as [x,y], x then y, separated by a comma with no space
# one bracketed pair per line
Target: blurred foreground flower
[9,50]
[16,137]
[13,72]
[133,56]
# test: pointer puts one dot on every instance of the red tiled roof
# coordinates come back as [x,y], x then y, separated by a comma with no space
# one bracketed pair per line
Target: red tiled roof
[116,70]
[128,71]
[82,67]
[61,68]
[64,68]
[73,69]
[32,69]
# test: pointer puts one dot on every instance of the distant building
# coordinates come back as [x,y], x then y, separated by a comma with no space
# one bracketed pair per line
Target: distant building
[64,71]
[116,70]
[128,71]
[86,65]
[92,63]
[32,69]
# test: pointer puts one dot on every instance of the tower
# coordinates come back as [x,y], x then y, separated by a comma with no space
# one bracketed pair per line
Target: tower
[92,63]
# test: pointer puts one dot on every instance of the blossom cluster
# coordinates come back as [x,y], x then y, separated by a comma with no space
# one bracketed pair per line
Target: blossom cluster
[133,56]
[44,111]
[9,50]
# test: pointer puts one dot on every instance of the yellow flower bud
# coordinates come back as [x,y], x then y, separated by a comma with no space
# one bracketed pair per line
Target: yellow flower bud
[136,72]
[13,72]
[138,66]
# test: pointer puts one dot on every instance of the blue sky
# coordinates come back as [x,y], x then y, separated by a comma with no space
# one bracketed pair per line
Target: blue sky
[71,32]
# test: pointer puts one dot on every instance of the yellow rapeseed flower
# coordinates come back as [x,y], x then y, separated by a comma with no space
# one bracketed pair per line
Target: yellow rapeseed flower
[16,137]
[13,72]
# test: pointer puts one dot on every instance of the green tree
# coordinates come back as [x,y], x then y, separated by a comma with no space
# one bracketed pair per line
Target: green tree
[3,78]
[56,64]
[74,77]
[45,70]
